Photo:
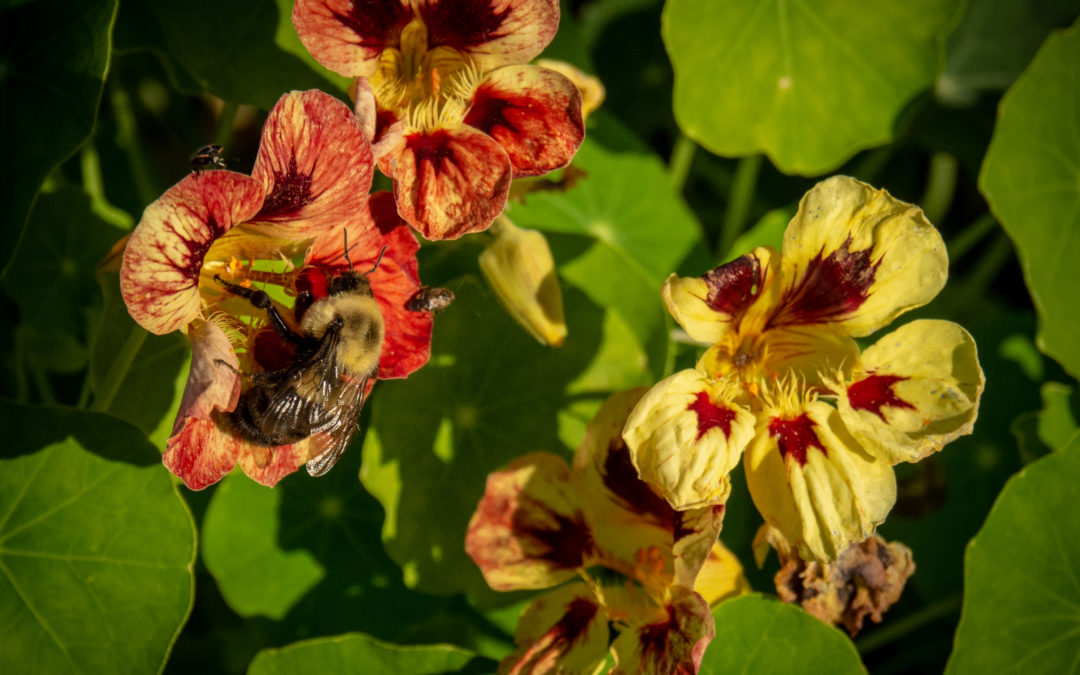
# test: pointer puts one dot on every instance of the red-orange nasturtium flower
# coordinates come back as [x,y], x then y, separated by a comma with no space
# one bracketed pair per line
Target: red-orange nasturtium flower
[818,422]
[309,186]
[643,567]
[444,92]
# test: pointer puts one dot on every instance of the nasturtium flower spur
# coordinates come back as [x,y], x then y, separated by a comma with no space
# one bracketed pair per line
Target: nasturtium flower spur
[444,92]
[307,197]
[784,386]
[639,562]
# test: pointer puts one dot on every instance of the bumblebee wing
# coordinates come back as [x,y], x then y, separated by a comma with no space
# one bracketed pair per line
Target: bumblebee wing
[335,430]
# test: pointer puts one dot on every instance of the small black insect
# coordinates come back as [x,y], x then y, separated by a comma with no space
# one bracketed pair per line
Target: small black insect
[429,299]
[207,158]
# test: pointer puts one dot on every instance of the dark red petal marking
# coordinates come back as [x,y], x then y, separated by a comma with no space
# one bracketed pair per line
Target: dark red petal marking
[621,479]
[830,289]
[462,24]
[795,437]
[377,23]
[875,392]
[733,286]
[567,543]
[710,415]
[291,192]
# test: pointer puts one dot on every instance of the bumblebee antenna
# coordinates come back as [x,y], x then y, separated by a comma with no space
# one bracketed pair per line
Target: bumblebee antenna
[379,260]
[345,233]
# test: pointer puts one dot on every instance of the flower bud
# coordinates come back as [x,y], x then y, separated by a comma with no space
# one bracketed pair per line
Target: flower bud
[591,88]
[520,269]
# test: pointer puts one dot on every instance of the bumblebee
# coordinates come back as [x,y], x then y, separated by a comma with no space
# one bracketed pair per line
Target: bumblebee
[429,299]
[207,158]
[320,393]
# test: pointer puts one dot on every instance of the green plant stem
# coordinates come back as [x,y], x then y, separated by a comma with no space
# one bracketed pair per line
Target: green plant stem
[225,127]
[682,157]
[940,186]
[41,381]
[894,631]
[990,263]
[127,138]
[971,236]
[740,198]
[110,384]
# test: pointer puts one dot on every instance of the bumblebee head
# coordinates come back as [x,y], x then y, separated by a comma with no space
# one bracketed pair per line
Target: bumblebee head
[353,281]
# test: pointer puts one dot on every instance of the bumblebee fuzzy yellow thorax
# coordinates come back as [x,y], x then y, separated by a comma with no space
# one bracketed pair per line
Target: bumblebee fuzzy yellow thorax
[362,331]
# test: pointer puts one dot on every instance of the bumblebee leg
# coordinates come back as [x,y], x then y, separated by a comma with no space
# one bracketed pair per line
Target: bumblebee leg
[262,301]
[219,363]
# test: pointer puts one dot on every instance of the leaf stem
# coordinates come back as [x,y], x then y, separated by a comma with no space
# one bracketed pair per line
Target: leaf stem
[740,198]
[682,157]
[940,186]
[971,236]
[225,127]
[110,384]
[910,623]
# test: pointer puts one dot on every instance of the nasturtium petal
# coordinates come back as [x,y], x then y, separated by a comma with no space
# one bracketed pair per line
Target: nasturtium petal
[707,306]
[675,644]
[315,165]
[1021,600]
[97,550]
[808,84]
[534,113]
[634,530]
[721,576]
[496,32]
[1031,179]
[528,530]
[855,256]
[686,435]
[159,275]
[563,631]
[917,389]
[810,479]
[448,182]
[348,36]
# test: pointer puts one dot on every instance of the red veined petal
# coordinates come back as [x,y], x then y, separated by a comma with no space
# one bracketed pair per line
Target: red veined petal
[564,631]
[448,182]
[528,530]
[348,36]
[315,164]
[159,275]
[673,645]
[201,453]
[495,31]
[534,113]
[267,466]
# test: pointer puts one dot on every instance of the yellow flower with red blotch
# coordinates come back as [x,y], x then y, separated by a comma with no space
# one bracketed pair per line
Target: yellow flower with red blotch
[817,422]
[642,567]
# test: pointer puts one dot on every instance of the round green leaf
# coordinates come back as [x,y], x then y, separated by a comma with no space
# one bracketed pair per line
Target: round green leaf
[242,552]
[755,634]
[489,394]
[1031,177]
[96,547]
[808,84]
[53,58]
[362,655]
[1021,595]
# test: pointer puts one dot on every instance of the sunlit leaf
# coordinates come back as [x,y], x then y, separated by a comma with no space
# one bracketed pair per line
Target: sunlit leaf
[489,394]
[755,634]
[624,230]
[1021,594]
[242,552]
[361,655]
[96,547]
[1031,177]
[53,56]
[808,84]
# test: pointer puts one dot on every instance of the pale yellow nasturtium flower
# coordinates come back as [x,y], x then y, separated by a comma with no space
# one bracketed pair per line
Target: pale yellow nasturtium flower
[817,422]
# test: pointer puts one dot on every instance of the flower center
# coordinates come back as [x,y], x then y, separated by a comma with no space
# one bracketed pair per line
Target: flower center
[420,83]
